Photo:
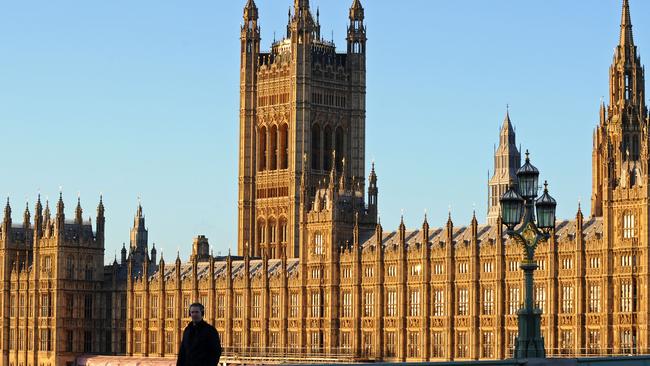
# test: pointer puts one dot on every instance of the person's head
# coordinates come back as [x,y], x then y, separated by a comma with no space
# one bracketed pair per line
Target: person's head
[197,311]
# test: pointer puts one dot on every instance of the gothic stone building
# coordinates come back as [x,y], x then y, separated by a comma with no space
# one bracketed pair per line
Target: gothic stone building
[315,272]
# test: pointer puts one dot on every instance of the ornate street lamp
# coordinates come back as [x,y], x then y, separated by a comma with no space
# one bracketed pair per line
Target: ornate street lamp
[518,214]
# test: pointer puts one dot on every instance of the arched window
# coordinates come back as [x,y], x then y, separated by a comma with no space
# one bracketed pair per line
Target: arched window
[273,148]
[340,148]
[318,243]
[315,147]
[284,146]
[283,231]
[261,232]
[327,150]
[273,232]
[261,149]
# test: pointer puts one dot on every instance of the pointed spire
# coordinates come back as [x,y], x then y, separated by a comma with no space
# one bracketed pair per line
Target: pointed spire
[46,214]
[450,223]
[161,266]
[579,213]
[26,216]
[39,207]
[100,206]
[138,213]
[250,11]
[78,211]
[59,205]
[356,11]
[626,39]
[7,217]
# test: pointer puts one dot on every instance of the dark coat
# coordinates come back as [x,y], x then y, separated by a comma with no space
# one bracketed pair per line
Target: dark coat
[200,346]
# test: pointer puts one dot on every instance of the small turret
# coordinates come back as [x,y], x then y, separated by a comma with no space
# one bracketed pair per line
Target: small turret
[373,193]
[402,231]
[38,218]
[425,231]
[78,217]
[60,214]
[101,220]
[153,253]
[356,29]
[161,265]
[47,220]
[123,254]
[26,217]
[7,217]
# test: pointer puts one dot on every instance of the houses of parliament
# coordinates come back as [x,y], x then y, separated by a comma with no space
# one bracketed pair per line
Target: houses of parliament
[315,271]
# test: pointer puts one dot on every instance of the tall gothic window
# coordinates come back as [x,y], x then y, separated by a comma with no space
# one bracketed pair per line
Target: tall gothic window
[461,349]
[628,226]
[463,301]
[239,304]
[327,154]
[513,300]
[261,148]
[391,303]
[627,297]
[593,341]
[437,345]
[566,341]
[275,305]
[627,341]
[283,231]
[272,232]
[487,346]
[368,304]
[594,298]
[413,344]
[567,299]
[255,309]
[154,306]
[346,310]
[284,147]
[294,303]
[169,300]
[273,148]
[316,304]
[414,302]
[488,301]
[340,148]
[261,232]
[315,147]
[438,302]
[390,344]
[540,298]
[318,243]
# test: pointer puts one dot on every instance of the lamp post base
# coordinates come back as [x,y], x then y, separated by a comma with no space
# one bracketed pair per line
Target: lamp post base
[530,343]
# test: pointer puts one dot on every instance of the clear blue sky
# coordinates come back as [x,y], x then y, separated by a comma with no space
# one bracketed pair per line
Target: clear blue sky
[141,97]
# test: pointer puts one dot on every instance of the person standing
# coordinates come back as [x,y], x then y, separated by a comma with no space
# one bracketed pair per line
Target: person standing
[201,345]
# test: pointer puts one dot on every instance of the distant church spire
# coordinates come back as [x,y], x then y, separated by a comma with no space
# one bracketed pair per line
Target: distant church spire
[507,160]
